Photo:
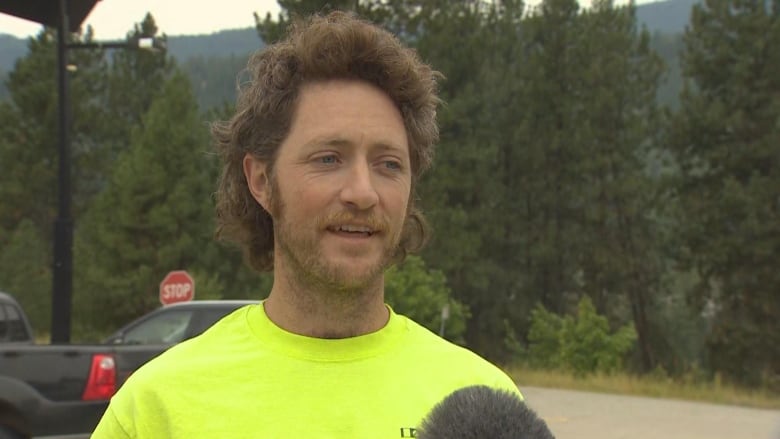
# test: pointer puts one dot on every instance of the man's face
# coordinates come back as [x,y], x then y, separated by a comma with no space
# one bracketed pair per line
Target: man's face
[340,188]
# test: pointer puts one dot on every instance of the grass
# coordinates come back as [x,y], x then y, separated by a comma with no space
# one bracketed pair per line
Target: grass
[651,386]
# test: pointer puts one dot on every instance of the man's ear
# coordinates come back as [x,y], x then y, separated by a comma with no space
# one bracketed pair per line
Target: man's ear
[258,181]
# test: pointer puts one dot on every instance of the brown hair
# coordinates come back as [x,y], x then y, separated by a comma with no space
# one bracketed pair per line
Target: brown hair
[336,46]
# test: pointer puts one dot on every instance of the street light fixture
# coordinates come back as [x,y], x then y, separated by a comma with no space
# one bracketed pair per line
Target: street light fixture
[150,44]
[141,43]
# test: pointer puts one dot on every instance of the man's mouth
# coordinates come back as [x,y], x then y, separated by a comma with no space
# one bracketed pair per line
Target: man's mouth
[352,229]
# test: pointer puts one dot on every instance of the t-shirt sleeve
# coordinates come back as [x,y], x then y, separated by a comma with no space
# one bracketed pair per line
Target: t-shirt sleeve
[110,427]
[502,381]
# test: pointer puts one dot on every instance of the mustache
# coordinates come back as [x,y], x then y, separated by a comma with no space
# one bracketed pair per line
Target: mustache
[373,221]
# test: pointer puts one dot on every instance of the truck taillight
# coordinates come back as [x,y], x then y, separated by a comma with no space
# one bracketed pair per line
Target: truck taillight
[101,384]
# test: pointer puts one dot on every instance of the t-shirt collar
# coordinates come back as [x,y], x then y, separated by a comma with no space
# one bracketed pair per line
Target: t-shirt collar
[327,350]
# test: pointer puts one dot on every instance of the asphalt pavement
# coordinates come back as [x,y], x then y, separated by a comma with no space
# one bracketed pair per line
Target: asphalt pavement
[585,415]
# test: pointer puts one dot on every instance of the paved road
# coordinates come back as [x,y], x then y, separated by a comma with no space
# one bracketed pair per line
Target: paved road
[583,415]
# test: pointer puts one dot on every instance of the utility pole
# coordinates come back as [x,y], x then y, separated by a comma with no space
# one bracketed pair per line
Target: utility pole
[62,288]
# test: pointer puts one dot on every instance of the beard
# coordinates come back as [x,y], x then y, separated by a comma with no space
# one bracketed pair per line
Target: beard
[310,269]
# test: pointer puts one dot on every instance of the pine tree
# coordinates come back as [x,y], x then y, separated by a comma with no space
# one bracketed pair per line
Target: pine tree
[545,164]
[727,143]
[154,215]
[271,31]
[620,119]
[465,192]
[29,134]
[552,190]
[129,83]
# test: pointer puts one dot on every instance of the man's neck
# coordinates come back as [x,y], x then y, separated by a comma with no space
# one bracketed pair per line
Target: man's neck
[316,313]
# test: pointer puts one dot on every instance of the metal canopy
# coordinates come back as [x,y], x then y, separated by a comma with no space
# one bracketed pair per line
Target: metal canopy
[47,12]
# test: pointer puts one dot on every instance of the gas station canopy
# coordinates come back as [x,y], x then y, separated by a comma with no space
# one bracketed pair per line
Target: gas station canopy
[47,12]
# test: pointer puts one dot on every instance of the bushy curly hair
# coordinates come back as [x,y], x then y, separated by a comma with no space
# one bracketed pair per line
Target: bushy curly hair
[336,46]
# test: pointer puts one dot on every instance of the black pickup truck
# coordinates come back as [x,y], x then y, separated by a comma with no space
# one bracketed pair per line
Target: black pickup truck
[62,390]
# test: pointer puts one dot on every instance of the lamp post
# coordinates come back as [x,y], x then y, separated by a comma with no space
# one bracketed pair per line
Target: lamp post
[62,279]
[62,288]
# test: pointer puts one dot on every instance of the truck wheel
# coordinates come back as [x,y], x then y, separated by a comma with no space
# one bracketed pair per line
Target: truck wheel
[7,433]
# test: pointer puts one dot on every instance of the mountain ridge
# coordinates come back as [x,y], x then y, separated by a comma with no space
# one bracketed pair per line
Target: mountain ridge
[670,16]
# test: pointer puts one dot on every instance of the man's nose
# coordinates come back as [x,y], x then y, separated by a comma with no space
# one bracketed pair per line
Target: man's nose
[358,190]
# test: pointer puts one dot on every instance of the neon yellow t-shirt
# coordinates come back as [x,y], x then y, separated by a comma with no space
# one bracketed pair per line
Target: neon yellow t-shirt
[247,378]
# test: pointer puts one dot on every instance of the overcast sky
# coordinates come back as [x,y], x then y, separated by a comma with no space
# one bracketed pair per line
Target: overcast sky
[112,19]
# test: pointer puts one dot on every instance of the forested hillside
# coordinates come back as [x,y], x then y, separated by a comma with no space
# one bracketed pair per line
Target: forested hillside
[212,61]
[214,75]
[603,197]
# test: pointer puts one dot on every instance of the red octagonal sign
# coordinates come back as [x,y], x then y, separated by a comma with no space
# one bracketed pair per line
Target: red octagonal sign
[178,286]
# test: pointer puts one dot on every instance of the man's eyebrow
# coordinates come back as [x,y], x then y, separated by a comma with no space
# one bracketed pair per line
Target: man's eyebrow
[327,141]
[339,142]
[389,146]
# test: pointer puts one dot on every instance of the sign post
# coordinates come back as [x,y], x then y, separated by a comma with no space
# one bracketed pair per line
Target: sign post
[177,286]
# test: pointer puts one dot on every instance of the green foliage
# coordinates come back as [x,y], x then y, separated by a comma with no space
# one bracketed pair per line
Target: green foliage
[155,214]
[271,31]
[539,193]
[208,286]
[133,80]
[679,330]
[581,344]
[589,347]
[544,338]
[420,294]
[669,47]
[725,139]
[145,171]
[28,181]
[25,273]
[29,133]
[470,203]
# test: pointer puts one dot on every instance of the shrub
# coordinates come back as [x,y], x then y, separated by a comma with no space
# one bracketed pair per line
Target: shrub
[581,344]
[420,294]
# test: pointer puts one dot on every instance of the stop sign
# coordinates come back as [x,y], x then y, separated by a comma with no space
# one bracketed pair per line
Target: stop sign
[177,286]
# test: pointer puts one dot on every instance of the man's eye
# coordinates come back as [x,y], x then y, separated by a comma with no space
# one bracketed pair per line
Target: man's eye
[392,164]
[327,159]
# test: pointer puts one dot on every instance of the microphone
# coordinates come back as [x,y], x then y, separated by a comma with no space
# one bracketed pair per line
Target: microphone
[481,412]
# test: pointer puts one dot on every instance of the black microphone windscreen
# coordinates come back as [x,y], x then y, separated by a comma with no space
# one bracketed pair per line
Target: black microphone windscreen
[481,412]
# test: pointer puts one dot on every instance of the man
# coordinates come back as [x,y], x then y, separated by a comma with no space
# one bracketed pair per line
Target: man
[321,158]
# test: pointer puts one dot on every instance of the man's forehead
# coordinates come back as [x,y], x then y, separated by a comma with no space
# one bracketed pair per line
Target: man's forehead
[336,113]
[341,142]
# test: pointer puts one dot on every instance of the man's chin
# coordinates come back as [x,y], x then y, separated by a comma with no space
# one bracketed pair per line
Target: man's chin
[353,276]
